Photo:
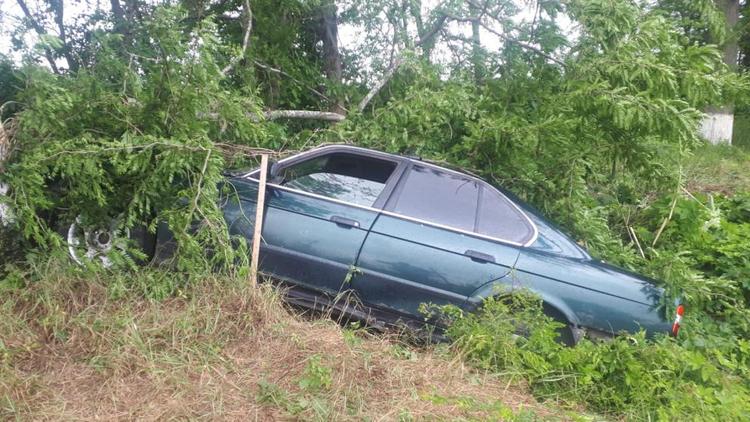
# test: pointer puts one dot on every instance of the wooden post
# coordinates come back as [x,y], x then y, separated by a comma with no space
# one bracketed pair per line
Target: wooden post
[259,218]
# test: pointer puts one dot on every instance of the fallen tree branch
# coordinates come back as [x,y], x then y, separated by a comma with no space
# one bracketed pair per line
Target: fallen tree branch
[666,220]
[229,149]
[304,114]
[637,243]
[198,193]
[285,114]
[400,59]
[384,80]
[245,40]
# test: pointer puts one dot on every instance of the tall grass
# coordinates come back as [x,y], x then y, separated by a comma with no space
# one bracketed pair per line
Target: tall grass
[77,345]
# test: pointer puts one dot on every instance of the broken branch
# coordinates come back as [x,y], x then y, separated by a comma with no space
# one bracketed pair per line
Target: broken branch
[304,114]
[384,80]
[245,40]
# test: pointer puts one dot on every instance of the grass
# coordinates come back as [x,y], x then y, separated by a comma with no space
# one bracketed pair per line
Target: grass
[741,129]
[721,169]
[70,349]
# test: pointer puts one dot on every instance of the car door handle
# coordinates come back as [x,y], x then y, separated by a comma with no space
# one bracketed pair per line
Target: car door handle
[479,256]
[343,221]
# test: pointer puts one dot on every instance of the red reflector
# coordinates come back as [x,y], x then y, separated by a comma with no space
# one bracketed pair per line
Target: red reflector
[678,320]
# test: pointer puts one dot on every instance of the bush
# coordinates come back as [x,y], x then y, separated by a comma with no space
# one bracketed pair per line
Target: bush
[628,376]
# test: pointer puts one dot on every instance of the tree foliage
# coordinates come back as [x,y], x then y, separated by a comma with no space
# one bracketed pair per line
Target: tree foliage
[125,138]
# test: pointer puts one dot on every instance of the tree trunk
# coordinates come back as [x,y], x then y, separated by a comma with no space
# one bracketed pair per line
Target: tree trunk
[119,17]
[731,10]
[476,46]
[718,124]
[58,10]
[329,34]
[40,31]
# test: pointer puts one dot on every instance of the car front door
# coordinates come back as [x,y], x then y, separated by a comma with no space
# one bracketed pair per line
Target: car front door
[319,210]
[441,236]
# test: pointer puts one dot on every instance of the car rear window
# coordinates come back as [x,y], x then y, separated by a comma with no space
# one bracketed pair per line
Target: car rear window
[499,218]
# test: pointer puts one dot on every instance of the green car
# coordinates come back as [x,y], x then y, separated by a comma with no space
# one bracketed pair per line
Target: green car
[394,232]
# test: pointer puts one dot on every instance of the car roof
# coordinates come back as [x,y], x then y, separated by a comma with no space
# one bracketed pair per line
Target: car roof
[376,153]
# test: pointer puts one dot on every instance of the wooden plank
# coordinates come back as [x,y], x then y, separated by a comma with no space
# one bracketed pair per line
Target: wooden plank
[259,219]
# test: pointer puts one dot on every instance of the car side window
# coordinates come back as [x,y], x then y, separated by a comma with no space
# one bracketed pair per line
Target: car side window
[499,218]
[347,177]
[438,196]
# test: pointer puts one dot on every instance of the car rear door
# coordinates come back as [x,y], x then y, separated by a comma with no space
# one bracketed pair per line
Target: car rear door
[441,236]
[317,216]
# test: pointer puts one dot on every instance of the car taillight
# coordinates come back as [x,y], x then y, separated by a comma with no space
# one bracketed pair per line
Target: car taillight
[677,320]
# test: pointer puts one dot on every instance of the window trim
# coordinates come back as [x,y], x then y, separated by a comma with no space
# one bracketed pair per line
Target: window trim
[404,165]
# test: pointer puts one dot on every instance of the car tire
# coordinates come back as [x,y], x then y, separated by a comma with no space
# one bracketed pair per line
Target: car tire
[566,333]
[145,241]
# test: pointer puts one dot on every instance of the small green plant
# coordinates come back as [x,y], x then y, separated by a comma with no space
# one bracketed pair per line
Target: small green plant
[353,271]
[352,335]
[404,352]
[270,393]
[316,377]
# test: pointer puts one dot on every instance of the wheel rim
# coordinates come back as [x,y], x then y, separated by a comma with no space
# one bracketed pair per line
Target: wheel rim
[96,244]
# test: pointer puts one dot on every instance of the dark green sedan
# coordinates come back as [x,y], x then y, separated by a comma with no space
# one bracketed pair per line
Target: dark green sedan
[395,232]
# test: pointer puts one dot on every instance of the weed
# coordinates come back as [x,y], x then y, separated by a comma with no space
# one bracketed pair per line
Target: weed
[316,377]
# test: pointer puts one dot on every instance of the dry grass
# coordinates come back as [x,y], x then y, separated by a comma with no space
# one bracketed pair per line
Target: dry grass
[68,350]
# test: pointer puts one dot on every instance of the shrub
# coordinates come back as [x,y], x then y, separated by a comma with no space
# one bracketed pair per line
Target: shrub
[628,376]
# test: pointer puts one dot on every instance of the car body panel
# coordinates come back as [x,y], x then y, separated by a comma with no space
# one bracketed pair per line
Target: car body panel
[300,241]
[589,293]
[404,263]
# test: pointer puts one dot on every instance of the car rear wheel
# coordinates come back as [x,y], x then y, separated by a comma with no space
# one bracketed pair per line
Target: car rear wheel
[565,334]
[568,334]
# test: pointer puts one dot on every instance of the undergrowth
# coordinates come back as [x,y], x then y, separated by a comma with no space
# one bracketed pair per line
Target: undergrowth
[76,344]
[628,376]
